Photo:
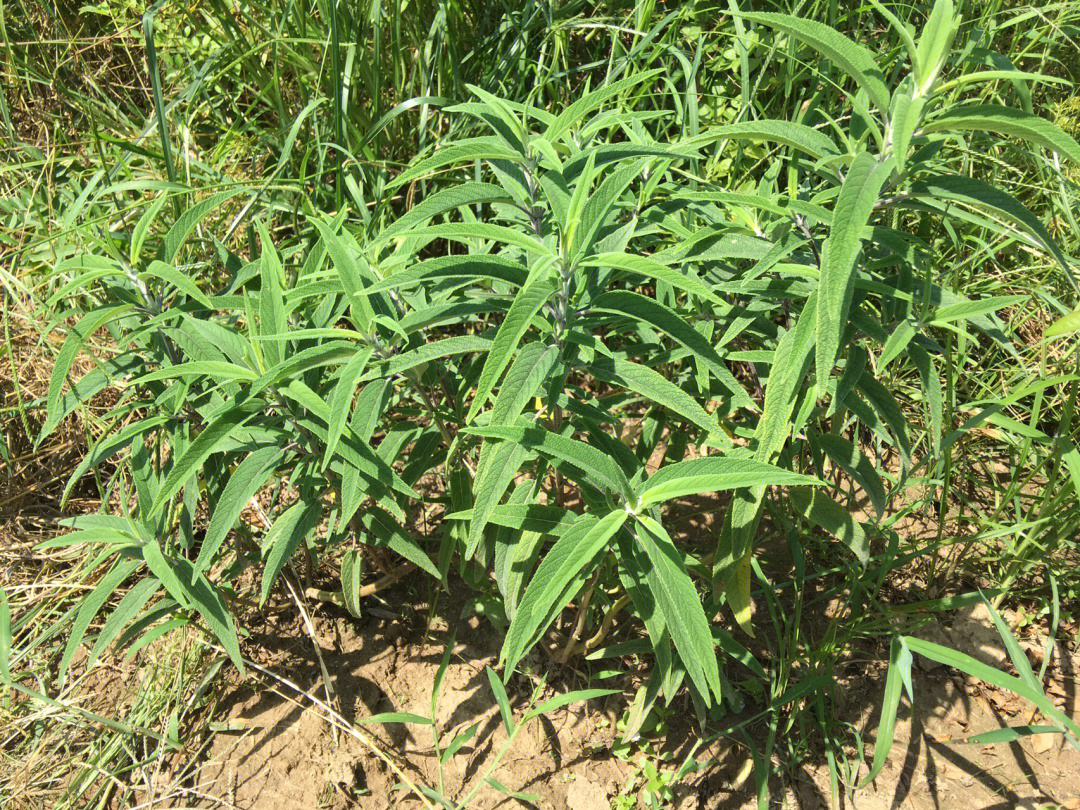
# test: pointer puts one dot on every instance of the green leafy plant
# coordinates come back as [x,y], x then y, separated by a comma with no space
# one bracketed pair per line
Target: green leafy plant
[576,330]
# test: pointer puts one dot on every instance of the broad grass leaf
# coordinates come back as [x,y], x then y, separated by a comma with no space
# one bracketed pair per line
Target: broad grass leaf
[566,699]
[501,699]
[899,673]
[995,677]
[853,59]
[970,310]
[5,637]
[859,193]
[560,573]
[384,718]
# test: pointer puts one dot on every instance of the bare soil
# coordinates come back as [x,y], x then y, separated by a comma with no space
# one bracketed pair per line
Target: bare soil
[281,753]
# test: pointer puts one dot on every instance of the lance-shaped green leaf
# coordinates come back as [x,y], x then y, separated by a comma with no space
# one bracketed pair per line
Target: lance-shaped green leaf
[272,319]
[353,280]
[247,479]
[852,460]
[479,267]
[439,203]
[205,444]
[791,362]
[218,370]
[124,613]
[191,589]
[526,517]
[498,464]
[654,270]
[341,399]
[715,473]
[1007,121]
[530,370]
[559,575]
[388,533]
[853,59]
[352,568]
[593,100]
[511,330]
[600,202]
[978,194]
[169,274]
[933,48]
[594,463]
[824,512]
[429,352]
[639,307]
[789,133]
[73,343]
[679,603]
[189,220]
[864,181]
[109,445]
[283,538]
[656,388]
[486,147]
[89,608]
[903,119]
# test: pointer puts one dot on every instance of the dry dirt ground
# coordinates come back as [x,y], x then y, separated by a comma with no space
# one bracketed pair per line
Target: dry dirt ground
[279,752]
